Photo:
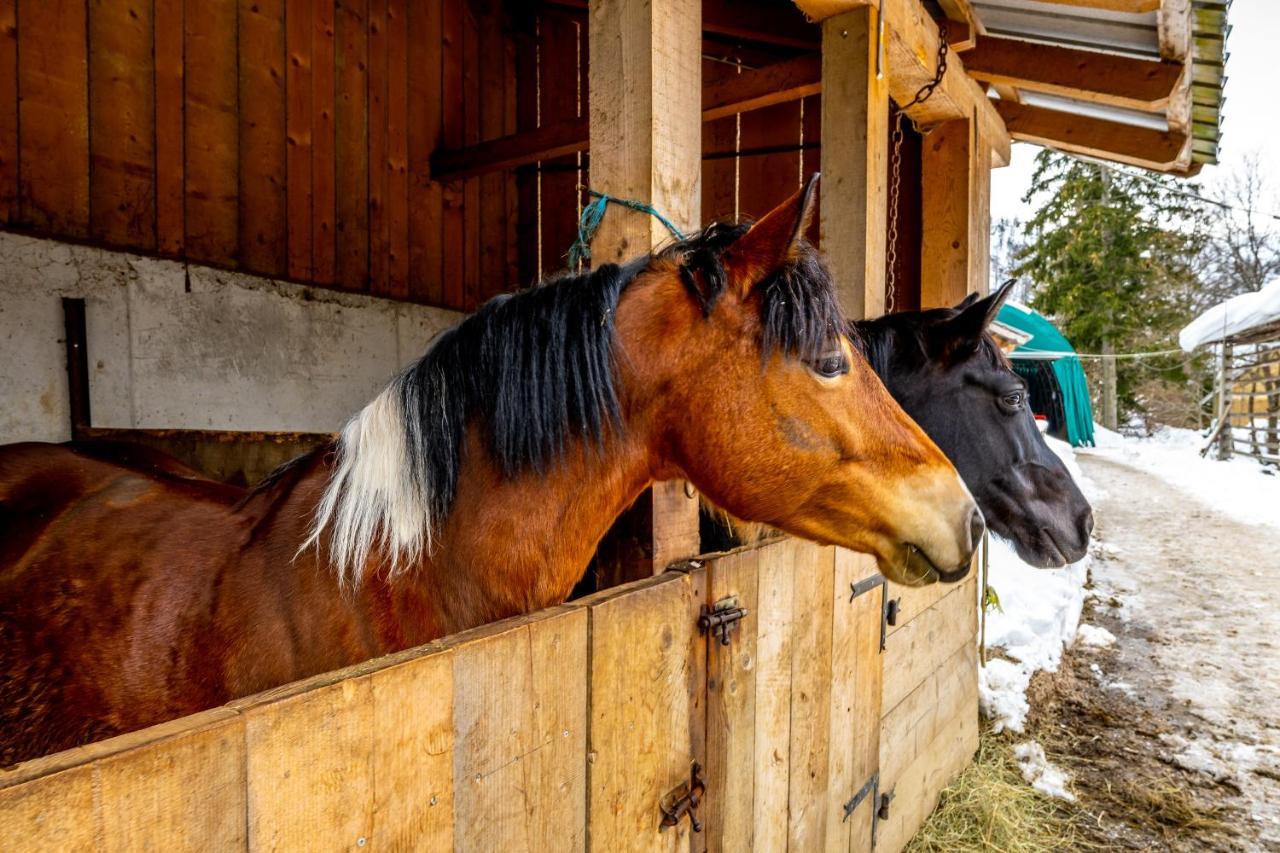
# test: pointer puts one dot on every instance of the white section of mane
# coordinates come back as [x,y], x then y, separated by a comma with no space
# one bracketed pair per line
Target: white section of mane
[372,499]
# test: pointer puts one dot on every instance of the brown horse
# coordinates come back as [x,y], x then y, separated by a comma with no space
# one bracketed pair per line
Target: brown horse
[475,487]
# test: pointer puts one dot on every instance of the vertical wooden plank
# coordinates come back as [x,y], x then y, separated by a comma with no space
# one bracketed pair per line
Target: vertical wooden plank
[520,725]
[945,235]
[8,111]
[855,110]
[811,159]
[413,754]
[643,642]
[773,695]
[511,215]
[979,214]
[767,180]
[426,197]
[646,145]
[352,146]
[53,116]
[309,767]
[212,132]
[810,695]
[397,159]
[453,270]
[170,118]
[472,211]
[263,192]
[718,137]
[184,793]
[122,208]
[493,203]
[527,177]
[731,708]
[562,84]
[855,702]
[377,108]
[299,115]
[324,163]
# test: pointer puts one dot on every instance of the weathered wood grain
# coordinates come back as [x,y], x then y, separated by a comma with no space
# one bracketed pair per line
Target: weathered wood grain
[263,177]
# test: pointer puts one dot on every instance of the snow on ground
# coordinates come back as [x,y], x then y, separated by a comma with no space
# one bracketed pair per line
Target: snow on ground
[1040,772]
[1238,487]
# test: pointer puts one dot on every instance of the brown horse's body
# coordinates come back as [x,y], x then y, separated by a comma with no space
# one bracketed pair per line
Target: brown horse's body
[222,608]
[473,488]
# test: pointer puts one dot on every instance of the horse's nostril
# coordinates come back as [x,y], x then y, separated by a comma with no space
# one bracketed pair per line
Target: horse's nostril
[1088,524]
[976,527]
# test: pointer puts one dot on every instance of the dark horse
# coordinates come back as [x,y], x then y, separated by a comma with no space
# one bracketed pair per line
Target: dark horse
[945,370]
[475,487]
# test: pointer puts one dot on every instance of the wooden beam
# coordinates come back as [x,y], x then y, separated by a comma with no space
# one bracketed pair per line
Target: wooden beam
[645,84]
[1085,75]
[1125,143]
[776,83]
[960,18]
[855,118]
[1132,6]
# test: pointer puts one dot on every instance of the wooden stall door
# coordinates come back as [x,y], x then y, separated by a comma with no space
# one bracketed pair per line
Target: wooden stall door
[793,701]
[647,695]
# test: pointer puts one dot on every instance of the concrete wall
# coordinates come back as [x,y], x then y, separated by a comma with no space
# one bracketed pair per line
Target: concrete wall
[173,345]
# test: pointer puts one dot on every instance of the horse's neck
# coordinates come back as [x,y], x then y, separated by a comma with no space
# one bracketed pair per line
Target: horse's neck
[508,546]
[515,545]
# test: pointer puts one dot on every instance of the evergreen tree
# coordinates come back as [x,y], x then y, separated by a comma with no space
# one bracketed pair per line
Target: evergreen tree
[1109,252]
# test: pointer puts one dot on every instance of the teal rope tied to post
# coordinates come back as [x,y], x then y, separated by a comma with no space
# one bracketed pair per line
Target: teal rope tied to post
[593,213]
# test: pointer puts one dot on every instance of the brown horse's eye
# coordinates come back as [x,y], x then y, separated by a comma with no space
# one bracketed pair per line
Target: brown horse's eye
[831,366]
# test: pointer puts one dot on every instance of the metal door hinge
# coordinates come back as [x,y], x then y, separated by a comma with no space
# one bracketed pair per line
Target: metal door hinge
[685,800]
[873,784]
[888,608]
[719,618]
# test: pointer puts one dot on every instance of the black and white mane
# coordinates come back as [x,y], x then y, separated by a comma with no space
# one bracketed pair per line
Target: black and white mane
[537,370]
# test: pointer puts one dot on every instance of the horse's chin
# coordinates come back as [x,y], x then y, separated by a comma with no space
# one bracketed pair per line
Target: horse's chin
[913,568]
[1041,550]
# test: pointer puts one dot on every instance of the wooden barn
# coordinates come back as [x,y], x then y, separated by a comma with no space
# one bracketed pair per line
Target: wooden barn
[226,223]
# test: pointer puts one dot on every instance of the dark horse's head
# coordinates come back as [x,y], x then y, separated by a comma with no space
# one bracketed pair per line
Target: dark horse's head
[944,369]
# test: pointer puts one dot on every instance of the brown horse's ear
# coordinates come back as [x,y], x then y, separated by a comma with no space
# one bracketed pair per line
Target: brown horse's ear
[772,241]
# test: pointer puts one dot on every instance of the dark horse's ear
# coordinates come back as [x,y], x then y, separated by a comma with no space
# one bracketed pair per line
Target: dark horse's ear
[962,333]
[772,241]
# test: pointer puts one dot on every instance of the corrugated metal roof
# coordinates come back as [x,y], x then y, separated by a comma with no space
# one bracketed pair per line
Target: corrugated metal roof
[1130,34]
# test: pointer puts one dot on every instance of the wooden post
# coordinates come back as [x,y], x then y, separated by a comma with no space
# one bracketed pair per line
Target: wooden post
[645,95]
[945,179]
[855,123]
[1110,414]
[1225,444]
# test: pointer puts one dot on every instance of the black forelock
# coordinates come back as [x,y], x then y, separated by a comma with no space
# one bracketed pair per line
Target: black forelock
[536,368]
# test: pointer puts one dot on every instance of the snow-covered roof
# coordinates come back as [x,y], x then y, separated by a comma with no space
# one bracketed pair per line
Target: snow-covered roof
[1234,317]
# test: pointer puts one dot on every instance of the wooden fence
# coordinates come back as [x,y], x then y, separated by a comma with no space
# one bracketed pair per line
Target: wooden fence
[566,729]
[1249,385]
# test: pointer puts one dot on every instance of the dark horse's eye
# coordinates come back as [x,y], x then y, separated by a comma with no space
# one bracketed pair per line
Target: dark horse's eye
[1013,400]
[830,366]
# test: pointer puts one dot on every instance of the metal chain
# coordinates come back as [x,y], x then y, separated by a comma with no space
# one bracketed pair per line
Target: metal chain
[895,168]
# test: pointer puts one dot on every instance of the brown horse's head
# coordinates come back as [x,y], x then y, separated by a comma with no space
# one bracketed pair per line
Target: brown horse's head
[730,347]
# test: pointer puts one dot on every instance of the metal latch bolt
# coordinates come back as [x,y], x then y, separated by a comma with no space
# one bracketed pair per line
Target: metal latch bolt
[685,800]
[719,618]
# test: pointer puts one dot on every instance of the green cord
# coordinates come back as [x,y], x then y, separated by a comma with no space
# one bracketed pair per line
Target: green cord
[593,213]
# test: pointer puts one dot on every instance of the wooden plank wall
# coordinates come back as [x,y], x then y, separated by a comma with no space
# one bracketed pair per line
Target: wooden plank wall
[289,138]
[561,729]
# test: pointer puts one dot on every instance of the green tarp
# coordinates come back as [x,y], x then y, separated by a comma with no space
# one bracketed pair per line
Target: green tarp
[1048,346]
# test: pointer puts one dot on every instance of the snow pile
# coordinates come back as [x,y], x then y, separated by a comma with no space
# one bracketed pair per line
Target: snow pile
[1239,487]
[1094,635]
[1038,615]
[1237,314]
[1043,775]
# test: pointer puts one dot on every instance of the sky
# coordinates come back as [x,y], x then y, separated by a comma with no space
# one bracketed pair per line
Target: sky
[1251,116]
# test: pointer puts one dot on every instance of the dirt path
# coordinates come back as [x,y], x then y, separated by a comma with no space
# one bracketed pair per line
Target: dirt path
[1191,687]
